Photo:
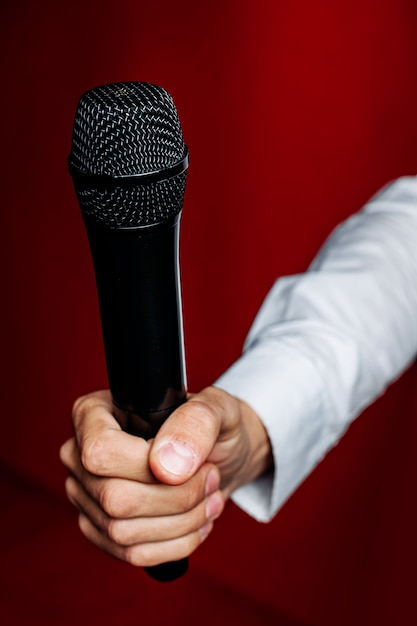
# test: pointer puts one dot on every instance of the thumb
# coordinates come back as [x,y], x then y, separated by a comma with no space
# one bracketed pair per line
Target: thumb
[186,439]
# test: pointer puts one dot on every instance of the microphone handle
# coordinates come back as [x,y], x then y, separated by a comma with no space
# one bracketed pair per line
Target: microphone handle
[138,285]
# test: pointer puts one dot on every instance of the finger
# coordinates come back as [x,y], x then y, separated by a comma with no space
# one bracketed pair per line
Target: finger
[147,554]
[104,449]
[126,532]
[70,457]
[120,498]
[186,439]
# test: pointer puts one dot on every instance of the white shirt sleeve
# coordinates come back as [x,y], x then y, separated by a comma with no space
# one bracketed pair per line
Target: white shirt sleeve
[327,342]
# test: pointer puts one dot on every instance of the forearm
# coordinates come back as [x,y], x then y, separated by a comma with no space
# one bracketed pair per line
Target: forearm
[326,343]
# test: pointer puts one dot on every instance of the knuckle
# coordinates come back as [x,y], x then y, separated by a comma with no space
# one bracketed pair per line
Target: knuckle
[76,404]
[200,421]
[138,556]
[89,402]
[221,404]
[94,455]
[116,531]
[80,407]
[202,410]
[112,500]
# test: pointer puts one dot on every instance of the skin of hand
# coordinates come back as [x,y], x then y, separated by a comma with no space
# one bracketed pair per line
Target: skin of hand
[149,502]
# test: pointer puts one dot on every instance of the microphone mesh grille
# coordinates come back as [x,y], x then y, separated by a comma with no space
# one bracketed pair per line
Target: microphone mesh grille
[124,129]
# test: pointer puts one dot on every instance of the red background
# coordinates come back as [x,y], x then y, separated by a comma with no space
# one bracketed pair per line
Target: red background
[294,112]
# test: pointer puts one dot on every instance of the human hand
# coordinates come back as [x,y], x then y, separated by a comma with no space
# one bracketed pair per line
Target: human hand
[149,502]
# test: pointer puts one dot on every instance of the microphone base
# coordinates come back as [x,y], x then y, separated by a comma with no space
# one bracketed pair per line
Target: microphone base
[167,572]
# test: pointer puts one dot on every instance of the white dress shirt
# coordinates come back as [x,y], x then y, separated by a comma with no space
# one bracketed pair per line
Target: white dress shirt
[327,342]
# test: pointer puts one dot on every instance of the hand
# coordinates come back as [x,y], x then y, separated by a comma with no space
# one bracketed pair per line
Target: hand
[148,502]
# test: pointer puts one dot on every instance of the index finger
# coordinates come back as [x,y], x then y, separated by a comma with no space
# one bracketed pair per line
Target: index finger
[104,448]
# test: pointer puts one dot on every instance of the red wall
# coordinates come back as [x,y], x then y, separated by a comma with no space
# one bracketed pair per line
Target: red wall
[294,112]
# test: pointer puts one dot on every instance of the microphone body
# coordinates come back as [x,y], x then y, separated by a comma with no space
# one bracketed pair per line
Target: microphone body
[128,163]
[138,285]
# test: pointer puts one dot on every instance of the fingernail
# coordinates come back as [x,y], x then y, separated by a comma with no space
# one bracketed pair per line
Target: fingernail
[212,482]
[214,506]
[176,458]
[205,530]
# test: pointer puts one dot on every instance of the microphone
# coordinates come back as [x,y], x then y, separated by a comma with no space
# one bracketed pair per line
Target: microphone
[129,165]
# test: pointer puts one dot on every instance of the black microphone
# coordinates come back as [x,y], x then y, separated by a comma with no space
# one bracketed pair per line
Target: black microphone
[129,166]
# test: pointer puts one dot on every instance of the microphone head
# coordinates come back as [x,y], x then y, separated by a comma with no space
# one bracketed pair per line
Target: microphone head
[128,157]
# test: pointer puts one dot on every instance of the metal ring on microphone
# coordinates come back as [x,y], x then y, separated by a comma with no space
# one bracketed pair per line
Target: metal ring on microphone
[84,180]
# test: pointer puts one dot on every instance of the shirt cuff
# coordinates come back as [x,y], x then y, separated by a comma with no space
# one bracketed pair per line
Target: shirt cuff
[282,386]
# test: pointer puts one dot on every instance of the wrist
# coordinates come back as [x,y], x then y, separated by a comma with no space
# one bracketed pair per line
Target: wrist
[260,458]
